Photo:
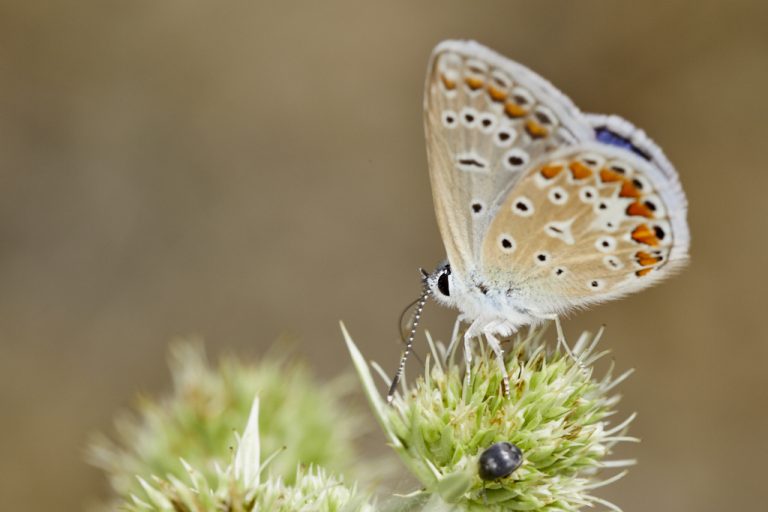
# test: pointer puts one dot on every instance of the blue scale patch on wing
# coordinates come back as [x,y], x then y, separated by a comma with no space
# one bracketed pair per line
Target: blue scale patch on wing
[606,136]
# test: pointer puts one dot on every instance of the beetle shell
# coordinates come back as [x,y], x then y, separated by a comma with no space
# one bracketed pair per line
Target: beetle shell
[499,461]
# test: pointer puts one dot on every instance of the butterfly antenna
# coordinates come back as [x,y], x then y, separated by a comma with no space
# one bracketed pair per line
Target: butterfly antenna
[401,323]
[404,326]
[409,341]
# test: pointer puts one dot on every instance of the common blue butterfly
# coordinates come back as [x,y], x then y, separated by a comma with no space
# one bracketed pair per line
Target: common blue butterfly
[542,208]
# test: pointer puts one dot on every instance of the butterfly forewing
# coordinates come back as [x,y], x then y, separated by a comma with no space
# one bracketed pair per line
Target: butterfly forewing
[591,223]
[487,121]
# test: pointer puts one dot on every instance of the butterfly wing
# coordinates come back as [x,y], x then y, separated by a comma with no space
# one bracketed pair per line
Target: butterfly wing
[487,119]
[593,222]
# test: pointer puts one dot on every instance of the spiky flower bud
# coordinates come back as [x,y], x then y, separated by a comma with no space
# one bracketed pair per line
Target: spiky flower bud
[309,422]
[557,414]
[243,487]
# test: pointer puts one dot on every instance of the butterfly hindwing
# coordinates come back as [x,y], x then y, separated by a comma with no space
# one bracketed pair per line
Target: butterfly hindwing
[487,120]
[593,222]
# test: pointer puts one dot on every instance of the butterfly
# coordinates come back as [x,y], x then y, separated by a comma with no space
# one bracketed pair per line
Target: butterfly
[542,209]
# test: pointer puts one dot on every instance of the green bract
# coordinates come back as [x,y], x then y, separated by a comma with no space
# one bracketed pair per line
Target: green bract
[557,413]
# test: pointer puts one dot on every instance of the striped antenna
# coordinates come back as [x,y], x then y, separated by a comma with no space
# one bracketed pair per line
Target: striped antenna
[409,342]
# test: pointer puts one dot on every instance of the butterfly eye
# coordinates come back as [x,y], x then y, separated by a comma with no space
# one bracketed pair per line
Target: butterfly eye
[442,284]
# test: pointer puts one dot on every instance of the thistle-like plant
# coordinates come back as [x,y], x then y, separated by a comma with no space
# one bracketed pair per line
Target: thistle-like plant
[557,414]
[193,426]
[244,486]
[177,453]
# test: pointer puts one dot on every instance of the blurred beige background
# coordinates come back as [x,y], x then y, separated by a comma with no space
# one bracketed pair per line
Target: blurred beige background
[242,170]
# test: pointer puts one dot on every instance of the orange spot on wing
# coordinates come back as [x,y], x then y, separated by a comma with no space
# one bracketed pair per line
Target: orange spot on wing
[647,259]
[628,189]
[608,176]
[643,271]
[496,94]
[448,83]
[514,110]
[535,130]
[473,82]
[550,171]
[639,209]
[579,170]
[644,235]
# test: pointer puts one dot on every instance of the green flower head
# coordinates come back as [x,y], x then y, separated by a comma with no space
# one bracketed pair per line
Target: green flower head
[310,423]
[244,486]
[557,414]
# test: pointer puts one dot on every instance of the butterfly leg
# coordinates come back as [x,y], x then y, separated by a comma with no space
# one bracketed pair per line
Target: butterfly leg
[470,333]
[454,339]
[467,360]
[493,342]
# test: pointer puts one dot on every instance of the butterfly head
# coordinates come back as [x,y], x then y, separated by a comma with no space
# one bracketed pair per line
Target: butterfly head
[440,283]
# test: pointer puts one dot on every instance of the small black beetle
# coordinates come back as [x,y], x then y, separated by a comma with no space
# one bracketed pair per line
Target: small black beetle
[500,461]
